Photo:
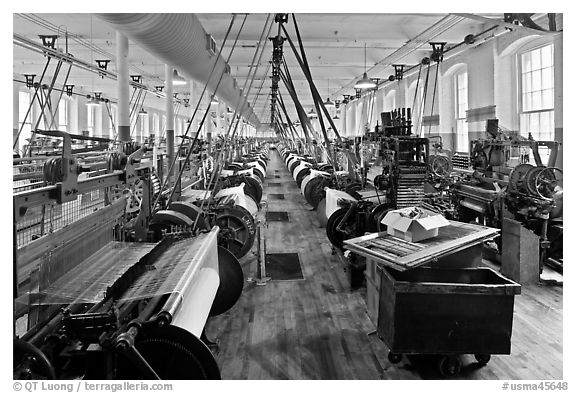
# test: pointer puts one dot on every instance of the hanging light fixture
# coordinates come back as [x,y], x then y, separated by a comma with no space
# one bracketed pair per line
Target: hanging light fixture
[365,82]
[328,103]
[312,114]
[214,101]
[177,80]
[142,112]
[337,117]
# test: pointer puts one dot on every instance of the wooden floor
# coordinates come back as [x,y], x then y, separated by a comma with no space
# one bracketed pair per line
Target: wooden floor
[317,328]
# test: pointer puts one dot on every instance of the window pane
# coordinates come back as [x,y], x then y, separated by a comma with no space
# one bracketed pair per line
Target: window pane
[536,59]
[526,82]
[547,78]
[526,63]
[547,56]
[534,123]
[527,102]
[537,100]
[536,81]
[23,104]
[548,99]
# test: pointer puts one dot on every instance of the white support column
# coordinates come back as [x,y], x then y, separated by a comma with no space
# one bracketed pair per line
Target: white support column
[123,86]
[15,114]
[169,72]
[558,97]
[342,125]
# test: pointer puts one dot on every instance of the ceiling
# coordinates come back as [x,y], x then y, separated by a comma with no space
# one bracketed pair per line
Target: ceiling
[334,45]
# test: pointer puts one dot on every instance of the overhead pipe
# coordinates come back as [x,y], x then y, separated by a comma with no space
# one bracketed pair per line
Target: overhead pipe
[180,40]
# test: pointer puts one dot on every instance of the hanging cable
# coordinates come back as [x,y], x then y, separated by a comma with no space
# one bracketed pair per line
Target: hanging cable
[423,101]
[163,186]
[416,91]
[433,97]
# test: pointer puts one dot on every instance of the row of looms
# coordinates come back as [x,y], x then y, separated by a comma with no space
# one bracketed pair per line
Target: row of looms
[203,245]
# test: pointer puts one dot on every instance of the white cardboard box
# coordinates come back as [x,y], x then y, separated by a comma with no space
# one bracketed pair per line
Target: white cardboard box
[413,229]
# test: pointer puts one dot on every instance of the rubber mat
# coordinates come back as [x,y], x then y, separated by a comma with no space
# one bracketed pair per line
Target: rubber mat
[284,267]
[277,216]
[276,196]
[274,184]
[277,176]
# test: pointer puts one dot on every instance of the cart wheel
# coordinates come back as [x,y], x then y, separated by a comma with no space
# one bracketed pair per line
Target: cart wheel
[394,357]
[482,358]
[449,366]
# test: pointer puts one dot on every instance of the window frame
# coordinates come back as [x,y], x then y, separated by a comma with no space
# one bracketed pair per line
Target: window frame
[457,118]
[520,92]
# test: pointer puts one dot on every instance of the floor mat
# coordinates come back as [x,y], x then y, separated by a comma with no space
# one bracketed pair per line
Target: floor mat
[277,216]
[276,196]
[283,267]
[274,184]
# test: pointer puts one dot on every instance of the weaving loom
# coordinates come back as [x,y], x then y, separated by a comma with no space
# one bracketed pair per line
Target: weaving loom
[89,304]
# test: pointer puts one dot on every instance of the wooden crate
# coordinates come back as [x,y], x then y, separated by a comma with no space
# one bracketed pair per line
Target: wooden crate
[446,311]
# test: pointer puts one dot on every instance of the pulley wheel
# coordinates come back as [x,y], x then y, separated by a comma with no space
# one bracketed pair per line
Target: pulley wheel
[293,166]
[314,191]
[252,187]
[301,175]
[376,215]
[321,213]
[440,165]
[251,205]
[191,211]
[516,182]
[547,183]
[231,282]
[173,353]
[336,237]
[530,179]
[237,230]
[258,172]
[236,167]
[29,362]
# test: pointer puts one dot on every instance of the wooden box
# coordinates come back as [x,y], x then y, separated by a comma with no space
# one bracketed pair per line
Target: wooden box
[446,311]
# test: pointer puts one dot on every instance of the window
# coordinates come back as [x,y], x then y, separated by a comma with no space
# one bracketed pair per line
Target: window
[461,106]
[144,128]
[156,123]
[537,93]
[390,101]
[63,115]
[90,119]
[24,124]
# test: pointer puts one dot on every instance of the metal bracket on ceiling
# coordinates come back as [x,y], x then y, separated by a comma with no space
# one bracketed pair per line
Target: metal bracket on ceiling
[69,90]
[103,65]
[398,71]
[29,80]
[437,51]
[48,41]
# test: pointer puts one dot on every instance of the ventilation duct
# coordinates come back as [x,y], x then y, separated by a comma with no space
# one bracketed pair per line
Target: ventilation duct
[180,40]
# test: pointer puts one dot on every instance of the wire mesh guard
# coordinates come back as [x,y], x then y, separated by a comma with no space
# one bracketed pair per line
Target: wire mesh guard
[41,220]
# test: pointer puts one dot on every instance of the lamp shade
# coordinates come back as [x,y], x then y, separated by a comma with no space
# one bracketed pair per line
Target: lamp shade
[365,83]
[177,80]
[328,103]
